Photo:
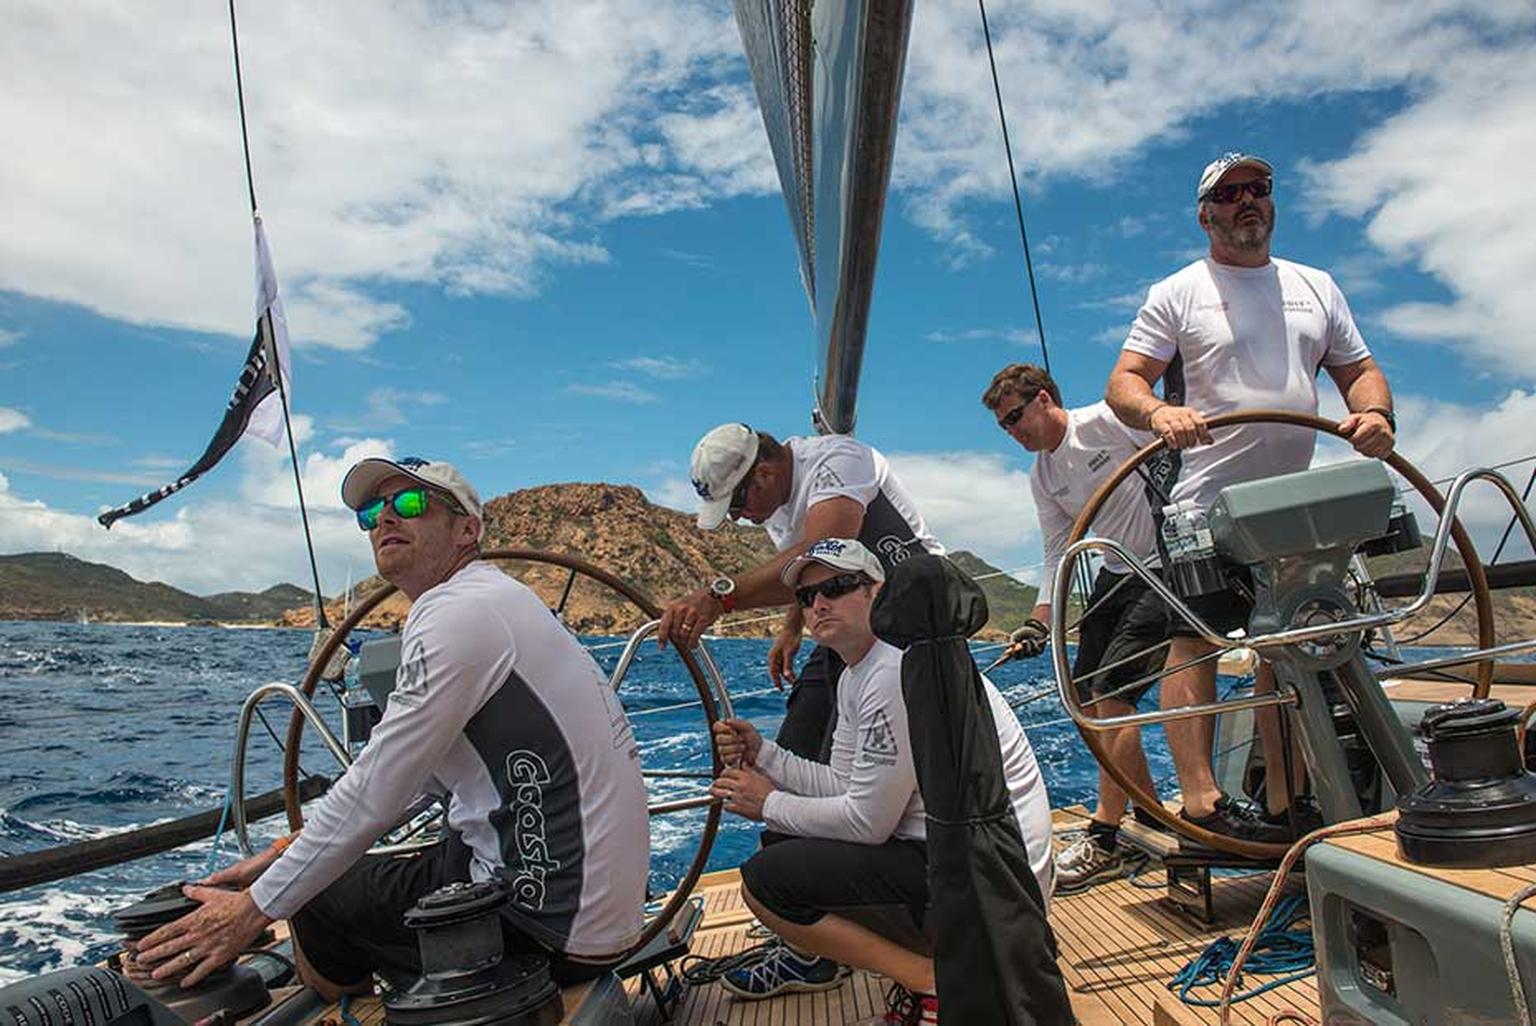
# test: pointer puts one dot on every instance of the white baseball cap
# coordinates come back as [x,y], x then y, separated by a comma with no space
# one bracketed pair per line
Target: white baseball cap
[842,554]
[720,461]
[362,482]
[1224,163]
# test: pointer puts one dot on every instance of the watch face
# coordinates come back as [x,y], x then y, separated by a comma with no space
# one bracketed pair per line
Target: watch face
[722,586]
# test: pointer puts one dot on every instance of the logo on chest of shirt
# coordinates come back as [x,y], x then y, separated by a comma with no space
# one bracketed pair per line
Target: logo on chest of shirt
[1098,459]
[878,742]
[529,775]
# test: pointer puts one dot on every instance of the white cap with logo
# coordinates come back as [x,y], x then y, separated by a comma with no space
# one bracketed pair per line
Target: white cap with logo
[842,554]
[720,461]
[1224,163]
[362,481]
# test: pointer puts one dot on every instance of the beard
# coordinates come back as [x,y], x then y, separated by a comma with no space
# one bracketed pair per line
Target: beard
[1245,235]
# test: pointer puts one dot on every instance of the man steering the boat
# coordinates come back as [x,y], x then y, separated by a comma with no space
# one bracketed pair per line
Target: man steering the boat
[801,490]
[1239,330]
[849,882]
[1125,623]
[497,709]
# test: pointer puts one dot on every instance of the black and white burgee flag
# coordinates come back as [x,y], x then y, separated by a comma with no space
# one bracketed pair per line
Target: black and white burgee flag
[254,408]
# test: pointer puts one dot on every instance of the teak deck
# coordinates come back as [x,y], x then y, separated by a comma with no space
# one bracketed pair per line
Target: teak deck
[1120,945]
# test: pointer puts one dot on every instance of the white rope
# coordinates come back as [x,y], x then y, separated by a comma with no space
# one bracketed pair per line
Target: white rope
[1507,945]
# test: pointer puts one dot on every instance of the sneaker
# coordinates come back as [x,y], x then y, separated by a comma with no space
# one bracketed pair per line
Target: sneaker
[1083,863]
[904,1008]
[1239,822]
[1308,817]
[782,970]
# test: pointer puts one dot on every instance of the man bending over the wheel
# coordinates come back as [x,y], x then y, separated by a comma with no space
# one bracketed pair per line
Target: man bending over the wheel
[1125,625]
[850,883]
[496,708]
[1234,331]
[801,490]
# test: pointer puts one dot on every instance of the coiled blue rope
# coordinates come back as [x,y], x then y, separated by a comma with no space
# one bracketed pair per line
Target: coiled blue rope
[1278,949]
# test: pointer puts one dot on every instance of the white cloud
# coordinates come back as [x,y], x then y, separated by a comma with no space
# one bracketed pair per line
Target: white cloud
[1017,336]
[674,493]
[9,338]
[622,391]
[1440,183]
[13,420]
[662,368]
[974,500]
[249,543]
[468,147]
[390,407]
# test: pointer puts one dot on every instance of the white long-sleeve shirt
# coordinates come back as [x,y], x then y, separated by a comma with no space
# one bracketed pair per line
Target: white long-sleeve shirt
[497,706]
[867,792]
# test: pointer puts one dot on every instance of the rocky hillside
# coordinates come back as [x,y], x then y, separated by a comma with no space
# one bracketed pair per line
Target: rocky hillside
[56,586]
[658,550]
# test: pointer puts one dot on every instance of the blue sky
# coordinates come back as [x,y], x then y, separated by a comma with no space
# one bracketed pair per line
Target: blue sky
[545,241]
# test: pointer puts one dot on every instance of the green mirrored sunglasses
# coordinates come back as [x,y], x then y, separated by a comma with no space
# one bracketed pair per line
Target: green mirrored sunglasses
[408,502]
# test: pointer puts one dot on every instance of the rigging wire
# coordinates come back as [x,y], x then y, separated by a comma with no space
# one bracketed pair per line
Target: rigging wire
[1013,181]
[274,361]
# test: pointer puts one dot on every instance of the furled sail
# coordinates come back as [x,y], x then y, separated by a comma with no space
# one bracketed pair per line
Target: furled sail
[828,76]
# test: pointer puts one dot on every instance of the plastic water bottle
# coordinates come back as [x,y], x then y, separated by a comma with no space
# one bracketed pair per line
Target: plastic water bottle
[1194,568]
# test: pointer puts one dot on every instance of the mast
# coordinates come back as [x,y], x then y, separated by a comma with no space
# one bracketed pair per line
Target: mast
[828,78]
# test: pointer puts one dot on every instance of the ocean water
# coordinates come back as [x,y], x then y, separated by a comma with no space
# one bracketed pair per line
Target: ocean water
[105,727]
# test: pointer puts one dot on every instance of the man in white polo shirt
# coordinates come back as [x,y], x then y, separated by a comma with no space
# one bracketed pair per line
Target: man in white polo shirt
[1238,330]
[1125,624]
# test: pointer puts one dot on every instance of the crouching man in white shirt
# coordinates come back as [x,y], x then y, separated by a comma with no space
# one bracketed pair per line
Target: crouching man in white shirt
[850,882]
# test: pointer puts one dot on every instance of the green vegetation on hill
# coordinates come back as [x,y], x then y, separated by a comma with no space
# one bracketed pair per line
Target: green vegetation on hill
[56,586]
[1008,600]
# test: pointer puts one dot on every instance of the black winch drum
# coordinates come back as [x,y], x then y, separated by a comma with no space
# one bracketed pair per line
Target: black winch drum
[237,989]
[1479,811]
[467,979]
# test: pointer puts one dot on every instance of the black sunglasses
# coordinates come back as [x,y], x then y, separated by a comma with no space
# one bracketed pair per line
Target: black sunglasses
[832,587]
[1009,419]
[739,493]
[1229,193]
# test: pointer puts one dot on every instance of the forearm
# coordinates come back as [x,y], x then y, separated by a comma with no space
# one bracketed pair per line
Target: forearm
[760,586]
[1369,389]
[797,774]
[1130,396]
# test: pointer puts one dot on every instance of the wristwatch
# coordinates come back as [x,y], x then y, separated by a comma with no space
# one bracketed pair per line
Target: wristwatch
[724,591]
[1386,413]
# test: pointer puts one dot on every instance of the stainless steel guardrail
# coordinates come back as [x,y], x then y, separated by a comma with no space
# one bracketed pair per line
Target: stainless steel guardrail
[1295,635]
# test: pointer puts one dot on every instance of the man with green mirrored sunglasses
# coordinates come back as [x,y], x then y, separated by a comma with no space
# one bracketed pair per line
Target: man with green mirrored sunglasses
[496,708]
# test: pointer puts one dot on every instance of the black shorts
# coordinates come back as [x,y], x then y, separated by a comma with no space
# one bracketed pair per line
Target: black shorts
[355,926]
[1225,611]
[883,887]
[1125,617]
